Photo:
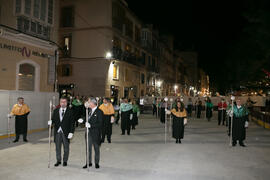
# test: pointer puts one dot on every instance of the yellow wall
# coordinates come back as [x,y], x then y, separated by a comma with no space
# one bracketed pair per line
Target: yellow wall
[9,60]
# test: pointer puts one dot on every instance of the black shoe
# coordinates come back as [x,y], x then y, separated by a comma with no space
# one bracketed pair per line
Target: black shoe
[97,166]
[65,164]
[109,141]
[179,141]
[242,144]
[176,141]
[233,144]
[123,134]
[57,164]
[90,165]
[102,141]
[16,140]
[25,140]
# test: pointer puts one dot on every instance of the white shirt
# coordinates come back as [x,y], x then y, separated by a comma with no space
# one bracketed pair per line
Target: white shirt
[61,117]
[93,110]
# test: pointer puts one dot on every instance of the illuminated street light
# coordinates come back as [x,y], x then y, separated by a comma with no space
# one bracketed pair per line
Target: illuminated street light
[108,55]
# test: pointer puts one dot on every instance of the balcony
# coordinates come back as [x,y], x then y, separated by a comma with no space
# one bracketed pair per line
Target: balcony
[127,56]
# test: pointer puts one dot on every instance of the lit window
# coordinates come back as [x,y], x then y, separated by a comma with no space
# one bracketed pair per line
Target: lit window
[67,46]
[115,72]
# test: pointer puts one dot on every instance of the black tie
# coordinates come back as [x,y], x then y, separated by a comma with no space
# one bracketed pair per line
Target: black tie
[63,113]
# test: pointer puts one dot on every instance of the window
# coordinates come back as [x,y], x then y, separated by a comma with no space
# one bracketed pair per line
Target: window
[27,7]
[142,78]
[36,8]
[129,28]
[118,14]
[18,6]
[43,9]
[23,24]
[143,58]
[116,42]
[65,70]
[67,46]
[115,72]
[67,15]
[26,77]
[149,60]
[153,62]
[128,48]
[33,27]
[137,34]
[50,12]
[46,32]
[39,29]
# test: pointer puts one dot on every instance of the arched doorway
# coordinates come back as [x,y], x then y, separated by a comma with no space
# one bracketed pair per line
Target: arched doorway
[27,76]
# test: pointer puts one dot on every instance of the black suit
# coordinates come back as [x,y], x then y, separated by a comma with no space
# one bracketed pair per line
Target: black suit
[67,126]
[95,132]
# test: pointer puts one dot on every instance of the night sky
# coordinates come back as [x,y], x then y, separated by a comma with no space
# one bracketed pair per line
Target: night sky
[208,27]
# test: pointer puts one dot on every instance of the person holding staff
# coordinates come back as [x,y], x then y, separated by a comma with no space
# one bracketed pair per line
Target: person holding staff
[63,121]
[21,112]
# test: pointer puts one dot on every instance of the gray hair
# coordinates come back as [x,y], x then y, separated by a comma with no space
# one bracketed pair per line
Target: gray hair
[93,100]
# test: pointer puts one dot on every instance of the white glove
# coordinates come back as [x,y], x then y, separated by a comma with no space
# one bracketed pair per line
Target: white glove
[49,122]
[9,115]
[70,135]
[131,116]
[246,124]
[138,114]
[87,124]
[167,111]
[80,120]
[112,119]
[185,121]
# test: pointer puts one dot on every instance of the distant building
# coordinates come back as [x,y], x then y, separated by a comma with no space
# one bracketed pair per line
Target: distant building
[89,31]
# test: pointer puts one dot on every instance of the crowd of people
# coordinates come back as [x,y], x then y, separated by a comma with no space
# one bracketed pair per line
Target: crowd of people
[98,115]
[181,113]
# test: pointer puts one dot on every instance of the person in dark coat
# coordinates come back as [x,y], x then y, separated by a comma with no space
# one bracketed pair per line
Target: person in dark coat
[209,109]
[162,111]
[240,123]
[21,112]
[189,107]
[136,114]
[179,115]
[199,108]
[126,116]
[94,124]
[63,121]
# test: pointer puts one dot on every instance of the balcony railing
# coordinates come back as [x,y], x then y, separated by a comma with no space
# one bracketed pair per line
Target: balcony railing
[127,56]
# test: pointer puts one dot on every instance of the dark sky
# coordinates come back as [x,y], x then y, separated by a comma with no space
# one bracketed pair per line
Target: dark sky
[208,27]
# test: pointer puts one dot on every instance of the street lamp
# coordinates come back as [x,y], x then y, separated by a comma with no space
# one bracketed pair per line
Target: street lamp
[108,55]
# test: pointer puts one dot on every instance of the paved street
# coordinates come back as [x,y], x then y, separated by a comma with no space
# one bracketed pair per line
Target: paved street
[204,154]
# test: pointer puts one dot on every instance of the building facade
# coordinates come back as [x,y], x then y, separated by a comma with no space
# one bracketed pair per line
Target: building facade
[28,54]
[89,31]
